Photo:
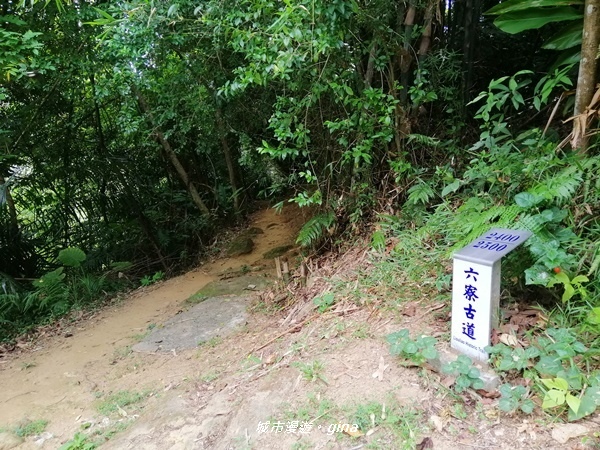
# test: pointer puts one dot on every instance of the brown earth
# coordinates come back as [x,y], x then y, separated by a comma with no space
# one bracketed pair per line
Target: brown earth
[295,368]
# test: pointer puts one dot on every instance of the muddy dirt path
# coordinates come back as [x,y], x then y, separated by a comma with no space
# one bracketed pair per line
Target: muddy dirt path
[60,380]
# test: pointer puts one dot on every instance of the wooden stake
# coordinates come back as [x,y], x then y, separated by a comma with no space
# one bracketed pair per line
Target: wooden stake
[285,270]
[303,271]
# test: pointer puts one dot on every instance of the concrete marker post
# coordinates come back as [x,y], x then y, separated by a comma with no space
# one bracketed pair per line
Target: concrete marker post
[476,289]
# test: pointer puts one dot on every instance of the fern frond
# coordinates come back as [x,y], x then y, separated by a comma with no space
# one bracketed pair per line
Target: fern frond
[420,193]
[509,215]
[532,222]
[560,186]
[468,225]
[423,140]
[378,241]
[314,230]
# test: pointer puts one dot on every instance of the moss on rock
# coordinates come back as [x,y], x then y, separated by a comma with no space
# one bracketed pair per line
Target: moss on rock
[241,245]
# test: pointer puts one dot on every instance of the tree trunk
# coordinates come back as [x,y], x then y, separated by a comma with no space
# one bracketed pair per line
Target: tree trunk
[370,66]
[406,57]
[228,159]
[586,81]
[471,15]
[426,36]
[160,137]
[12,211]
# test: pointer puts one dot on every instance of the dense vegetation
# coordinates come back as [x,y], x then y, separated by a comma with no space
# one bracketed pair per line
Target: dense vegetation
[130,130]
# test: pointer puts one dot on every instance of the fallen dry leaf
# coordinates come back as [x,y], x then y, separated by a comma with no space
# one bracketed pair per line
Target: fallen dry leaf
[270,359]
[509,328]
[488,394]
[491,413]
[349,432]
[494,338]
[410,310]
[382,366]
[425,443]
[448,382]
[509,340]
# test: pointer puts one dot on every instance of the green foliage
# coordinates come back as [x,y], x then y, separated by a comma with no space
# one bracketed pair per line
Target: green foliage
[558,394]
[466,375]
[148,280]
[556,363]
[378,241]
[324,301]
[403,423]
[420,193]
[313,231]
[120,400]
[71,257]
[516,16]
[515,397]
[571,287]
[79,442]
[534,18]
[31,428]
[20,52]
[312,371]
[506,358]
[416,351]
[53,295]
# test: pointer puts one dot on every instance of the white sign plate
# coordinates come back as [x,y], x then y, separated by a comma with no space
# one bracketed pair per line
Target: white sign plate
[492,246]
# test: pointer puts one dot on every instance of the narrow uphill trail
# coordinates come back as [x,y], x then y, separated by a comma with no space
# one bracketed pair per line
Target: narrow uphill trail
[61,378]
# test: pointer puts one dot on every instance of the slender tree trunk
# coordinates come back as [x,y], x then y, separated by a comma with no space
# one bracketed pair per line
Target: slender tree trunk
[586,81]
[370,66]
[228,159]
[406,57]
[160,137]
[426,36]
[12,210]
[471,14]
[444,22]
[67,174]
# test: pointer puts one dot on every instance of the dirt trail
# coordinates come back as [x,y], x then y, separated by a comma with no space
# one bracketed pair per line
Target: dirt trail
[60,379]
[262,387]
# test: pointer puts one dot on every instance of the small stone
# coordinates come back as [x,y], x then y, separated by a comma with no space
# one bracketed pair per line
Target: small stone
[562,433]
[9,440]
[437,422]
[43,438]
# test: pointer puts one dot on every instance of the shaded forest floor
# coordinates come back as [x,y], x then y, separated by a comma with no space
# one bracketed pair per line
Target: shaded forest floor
[290,378]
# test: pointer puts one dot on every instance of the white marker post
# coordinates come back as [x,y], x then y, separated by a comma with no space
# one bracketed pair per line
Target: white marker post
[476,289]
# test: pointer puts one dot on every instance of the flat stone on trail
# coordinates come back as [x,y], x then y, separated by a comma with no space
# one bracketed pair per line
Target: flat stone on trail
[233,286]
[215,316]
